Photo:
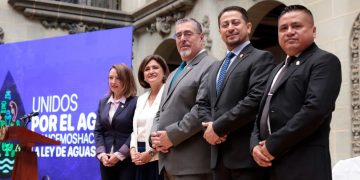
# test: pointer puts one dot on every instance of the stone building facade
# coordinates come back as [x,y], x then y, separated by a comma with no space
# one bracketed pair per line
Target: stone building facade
[337,21]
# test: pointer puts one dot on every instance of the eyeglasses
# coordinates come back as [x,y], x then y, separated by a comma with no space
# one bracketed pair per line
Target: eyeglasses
[187,34]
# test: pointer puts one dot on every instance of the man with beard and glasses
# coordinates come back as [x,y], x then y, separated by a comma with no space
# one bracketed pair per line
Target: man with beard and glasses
[235,87]
[177,131]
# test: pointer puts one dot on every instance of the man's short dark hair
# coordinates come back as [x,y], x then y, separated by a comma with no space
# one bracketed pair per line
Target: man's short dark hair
[234,8]
[296,7]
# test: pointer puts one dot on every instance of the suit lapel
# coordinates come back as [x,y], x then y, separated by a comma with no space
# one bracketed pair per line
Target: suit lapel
[212,83]
[105,113]
[238,60]
[121,108]
[187,69]
[142,103]
[295,65]
[180,77]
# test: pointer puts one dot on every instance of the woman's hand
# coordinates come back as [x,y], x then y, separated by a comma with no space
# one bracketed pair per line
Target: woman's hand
[113,160]
[105,160]
[134,155]
[143,158]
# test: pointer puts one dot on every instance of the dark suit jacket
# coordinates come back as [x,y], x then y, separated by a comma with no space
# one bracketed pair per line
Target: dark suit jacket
[118,132]
[300,114]
[233,111]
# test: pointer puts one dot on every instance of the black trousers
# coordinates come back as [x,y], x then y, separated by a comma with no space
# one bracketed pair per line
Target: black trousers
[148,171]
[221,172]
[123,170]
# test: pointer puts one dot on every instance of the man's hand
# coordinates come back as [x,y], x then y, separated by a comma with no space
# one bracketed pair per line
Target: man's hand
[160,141]
[210,136]
[261,155]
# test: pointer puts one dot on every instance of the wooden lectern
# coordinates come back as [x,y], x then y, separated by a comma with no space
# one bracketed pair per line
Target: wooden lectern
[25,167]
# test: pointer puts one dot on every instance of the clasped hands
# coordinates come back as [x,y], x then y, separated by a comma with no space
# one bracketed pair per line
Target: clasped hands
[109,160]
[139,158]
[210,135]
[261,155]
[160,141]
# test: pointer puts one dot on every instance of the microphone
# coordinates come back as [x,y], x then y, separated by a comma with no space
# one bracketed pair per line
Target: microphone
[28,116]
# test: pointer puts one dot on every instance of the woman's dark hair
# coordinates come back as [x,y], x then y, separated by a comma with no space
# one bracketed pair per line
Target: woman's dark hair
[146,61]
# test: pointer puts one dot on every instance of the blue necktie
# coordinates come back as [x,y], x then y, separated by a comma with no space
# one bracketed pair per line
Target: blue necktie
[223,71]
[178,72]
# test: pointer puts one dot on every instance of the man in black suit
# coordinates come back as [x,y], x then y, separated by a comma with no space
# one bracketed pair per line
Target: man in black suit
[235,88]
[291,134]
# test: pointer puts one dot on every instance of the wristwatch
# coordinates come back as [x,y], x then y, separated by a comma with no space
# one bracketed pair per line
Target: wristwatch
[152,152]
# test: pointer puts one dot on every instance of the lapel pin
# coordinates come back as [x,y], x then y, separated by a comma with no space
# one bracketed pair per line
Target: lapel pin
[297,63]
[241,55]
[122,106]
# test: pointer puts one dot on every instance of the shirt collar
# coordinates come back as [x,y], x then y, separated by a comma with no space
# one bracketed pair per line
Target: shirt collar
[112,100]
[238,49]
[296,55]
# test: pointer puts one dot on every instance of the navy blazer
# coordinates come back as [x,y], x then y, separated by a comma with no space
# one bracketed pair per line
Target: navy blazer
[118,132]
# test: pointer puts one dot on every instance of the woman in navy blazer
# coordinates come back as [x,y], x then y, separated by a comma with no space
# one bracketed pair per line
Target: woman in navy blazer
[114,125]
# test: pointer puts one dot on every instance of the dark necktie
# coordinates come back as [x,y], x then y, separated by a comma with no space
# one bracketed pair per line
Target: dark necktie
[177,73]
[264,129]
[223,71]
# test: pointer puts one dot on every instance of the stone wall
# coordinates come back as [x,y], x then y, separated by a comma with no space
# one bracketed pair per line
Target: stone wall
[334,20]
[17,27]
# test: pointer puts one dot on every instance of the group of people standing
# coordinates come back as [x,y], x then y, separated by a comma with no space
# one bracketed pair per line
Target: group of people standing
[242,118]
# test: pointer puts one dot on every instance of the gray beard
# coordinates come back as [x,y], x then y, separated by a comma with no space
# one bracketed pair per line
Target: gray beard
[185,53]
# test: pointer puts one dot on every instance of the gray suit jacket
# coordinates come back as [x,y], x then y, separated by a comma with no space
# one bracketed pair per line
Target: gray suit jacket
[234,110]
[179,117]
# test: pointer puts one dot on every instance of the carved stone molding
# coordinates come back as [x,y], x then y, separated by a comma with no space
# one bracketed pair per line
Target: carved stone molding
[161,18]
[355,86]
[163,24]
[2,34]
[157,15]
[73,28]
[77,17]
[206,30]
